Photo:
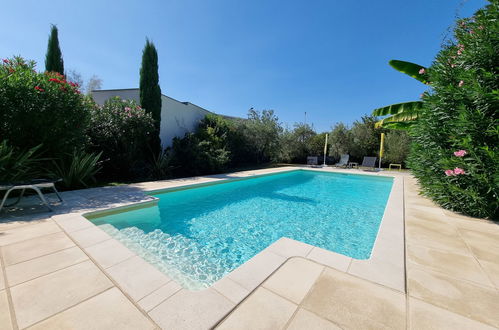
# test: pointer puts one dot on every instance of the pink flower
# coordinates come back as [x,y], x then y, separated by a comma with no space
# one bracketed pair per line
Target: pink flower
[422,71]
[38,88]
[461,83]
[127,109]
[471,31]
[6,61]
[460,153]
[449,172]
[459,52]
[458,171]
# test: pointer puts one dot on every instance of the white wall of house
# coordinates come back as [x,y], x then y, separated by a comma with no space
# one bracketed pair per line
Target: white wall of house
[177,118]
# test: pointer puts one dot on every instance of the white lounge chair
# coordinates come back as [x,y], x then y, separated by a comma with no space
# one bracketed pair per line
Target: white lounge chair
[343,161]
[35,185]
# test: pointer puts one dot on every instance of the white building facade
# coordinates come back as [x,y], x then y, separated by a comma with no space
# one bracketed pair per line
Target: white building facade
[177,118]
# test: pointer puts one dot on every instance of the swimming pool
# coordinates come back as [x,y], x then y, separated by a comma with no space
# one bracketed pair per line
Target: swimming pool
[198,235]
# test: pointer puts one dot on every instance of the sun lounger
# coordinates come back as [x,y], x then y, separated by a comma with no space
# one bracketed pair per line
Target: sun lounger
[369,162]
[343,161]
[36,185]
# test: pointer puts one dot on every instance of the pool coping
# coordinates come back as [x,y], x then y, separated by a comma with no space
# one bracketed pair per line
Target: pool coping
[171,305]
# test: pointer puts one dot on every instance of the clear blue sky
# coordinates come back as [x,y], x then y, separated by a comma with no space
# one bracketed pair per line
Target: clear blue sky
[328,58]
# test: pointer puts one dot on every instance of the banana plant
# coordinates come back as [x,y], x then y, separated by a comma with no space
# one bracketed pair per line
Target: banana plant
[403,115]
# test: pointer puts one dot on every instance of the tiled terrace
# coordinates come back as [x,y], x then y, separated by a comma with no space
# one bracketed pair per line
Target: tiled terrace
[63,272]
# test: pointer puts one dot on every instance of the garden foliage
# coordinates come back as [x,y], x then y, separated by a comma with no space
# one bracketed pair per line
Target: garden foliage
[122,131]
[53,58]
[150,91]
[455,152]
[40,108]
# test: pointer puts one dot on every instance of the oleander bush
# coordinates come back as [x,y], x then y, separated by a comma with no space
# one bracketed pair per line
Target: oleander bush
[40,108]
[455,152]
[121,130]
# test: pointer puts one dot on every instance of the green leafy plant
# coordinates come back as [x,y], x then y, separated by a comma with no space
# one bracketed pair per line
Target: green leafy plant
[18,165]
[78,169]
[121,130]
[455,153]
[161,166]
[41,108]
[403,115]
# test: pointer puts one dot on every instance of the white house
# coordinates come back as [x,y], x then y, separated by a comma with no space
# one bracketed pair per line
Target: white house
[177,118]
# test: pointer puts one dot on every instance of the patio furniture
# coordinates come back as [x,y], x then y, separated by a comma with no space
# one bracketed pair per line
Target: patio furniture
[353,164]
[399,166]
[369,162]
[312,160]
[343,161]
[37,185]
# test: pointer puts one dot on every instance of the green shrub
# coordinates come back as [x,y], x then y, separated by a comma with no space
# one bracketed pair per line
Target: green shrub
[40,108]
[77,170]
[461,113]
[260,133]
[397,147]
[121,130]
[206,150]
[18,165]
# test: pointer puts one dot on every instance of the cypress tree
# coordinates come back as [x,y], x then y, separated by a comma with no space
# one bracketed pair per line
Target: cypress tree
[53,58]
[150,92]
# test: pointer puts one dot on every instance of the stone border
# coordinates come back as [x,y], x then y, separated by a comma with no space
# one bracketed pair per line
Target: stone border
[172,306]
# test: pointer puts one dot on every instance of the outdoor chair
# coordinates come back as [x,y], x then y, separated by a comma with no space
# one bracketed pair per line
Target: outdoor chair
[343,161]
[37,185]
[369,162]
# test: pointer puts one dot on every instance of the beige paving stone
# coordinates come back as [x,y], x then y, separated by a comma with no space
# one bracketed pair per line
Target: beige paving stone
[473,301]
[353,303]
[465,222]
[89,236]
[389,273]
[2,279]
[109,253]
[36,247]
[108,310]
[45,296]
[5,320]
[137,277]
[452,264]
[304,319]
[262,310]
[294,279]
[256,270]
[27,270]
[329,258]
[287,247]
[435,235]
[480,238]
[10,236]
[484,252]
[423,316]
[231,290]
[492,271]
[191,310]
[6,224]
[158,296]
[72,222]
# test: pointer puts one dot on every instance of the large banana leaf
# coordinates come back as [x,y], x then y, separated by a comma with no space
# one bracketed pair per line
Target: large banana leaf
[401,114]
[407,107]
[410,69]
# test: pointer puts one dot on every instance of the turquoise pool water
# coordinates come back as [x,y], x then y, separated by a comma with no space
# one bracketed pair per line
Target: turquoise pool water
[198,235]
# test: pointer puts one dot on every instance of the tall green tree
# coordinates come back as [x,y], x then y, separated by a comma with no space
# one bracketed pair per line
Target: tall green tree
[53,58]
[150,92]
